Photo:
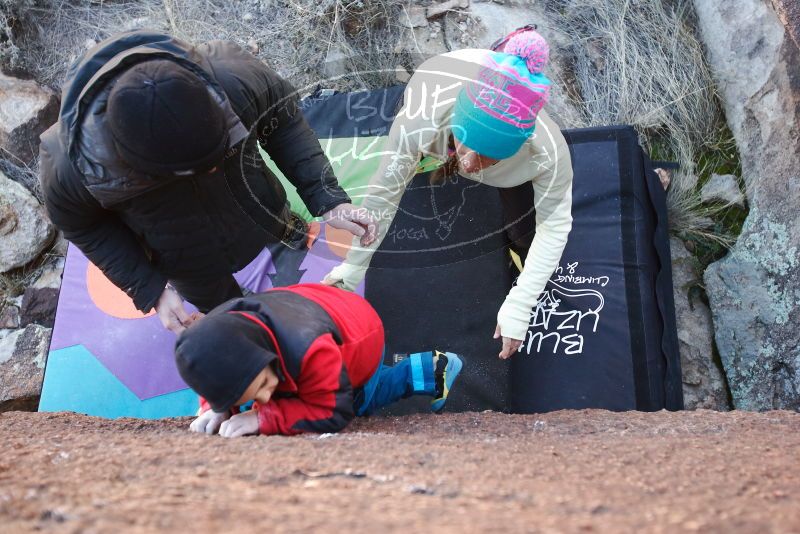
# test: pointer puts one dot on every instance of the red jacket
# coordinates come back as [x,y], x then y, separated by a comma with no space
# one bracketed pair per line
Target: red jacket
[320,365]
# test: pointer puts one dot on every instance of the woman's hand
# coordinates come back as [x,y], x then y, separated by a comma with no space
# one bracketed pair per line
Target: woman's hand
[333,282]
[194,317]
[510,346]
[209,422]
[241,424]
[355,220]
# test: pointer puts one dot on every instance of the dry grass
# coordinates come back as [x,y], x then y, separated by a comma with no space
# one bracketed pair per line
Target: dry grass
[22,172]
[638,62]
[633,62]
[294,36]
[13,283]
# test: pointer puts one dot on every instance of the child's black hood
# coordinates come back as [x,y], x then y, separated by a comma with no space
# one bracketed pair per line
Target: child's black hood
[240,337]
[221,354]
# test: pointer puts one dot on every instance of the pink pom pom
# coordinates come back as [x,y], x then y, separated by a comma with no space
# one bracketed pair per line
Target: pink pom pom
[531,47]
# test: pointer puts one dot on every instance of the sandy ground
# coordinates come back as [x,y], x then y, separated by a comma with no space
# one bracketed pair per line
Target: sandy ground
[573,471]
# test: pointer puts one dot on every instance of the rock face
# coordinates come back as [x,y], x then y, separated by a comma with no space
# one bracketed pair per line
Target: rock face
[24,229]
[789,13]
[755,290]
[9,317]
[39,306]
[51,273]
[703,382]
[26,110]
[23,354]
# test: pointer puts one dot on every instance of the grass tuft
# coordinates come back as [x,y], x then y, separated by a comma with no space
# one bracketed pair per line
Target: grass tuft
[639,63]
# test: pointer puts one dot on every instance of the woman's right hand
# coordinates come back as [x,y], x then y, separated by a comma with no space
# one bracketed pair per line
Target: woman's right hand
[333,282]
[510,345]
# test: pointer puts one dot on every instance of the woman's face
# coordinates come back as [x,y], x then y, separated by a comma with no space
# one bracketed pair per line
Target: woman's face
[470,161]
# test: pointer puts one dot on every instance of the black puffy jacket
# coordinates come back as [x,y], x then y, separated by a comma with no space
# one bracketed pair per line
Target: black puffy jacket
[142,230]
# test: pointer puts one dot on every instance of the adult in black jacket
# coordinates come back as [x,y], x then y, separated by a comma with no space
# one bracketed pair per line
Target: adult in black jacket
[153,168]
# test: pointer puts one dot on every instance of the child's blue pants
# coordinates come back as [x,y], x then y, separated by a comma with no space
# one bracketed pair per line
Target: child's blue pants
[410,376]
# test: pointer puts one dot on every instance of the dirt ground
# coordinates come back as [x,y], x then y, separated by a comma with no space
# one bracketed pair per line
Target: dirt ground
[571,471]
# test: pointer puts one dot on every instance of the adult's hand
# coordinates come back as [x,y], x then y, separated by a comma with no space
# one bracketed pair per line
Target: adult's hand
[241,424]
[355,220]
[510,345]
[209,422]
[193,318]
[333,282]
[171,312]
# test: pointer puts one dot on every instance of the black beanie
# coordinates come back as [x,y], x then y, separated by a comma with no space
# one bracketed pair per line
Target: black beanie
[220,355]
[164,121]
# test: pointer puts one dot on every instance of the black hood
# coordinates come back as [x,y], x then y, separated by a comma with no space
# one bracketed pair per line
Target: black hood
[220,355]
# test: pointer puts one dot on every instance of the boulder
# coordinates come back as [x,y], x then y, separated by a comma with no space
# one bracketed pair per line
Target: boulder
[755,290]
[421,42]
[703,381]
[26,110]
[417,16]
[24,229]
[722,188]
[50,277]
[39,306]
[9,316]
[23,354]
[789,13]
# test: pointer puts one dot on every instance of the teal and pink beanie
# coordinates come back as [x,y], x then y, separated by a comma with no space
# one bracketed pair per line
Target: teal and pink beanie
[495,114]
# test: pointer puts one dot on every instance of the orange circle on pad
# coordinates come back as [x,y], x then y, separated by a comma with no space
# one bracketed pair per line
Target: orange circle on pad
[109,298]
[339,241]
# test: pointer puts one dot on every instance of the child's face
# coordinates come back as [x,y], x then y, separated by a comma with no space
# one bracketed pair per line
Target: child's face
[261,388]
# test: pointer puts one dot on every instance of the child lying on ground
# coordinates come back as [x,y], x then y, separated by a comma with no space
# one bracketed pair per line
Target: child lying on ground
[309,356]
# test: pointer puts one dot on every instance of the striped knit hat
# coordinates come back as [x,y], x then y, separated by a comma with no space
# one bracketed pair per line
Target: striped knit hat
[495,114]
